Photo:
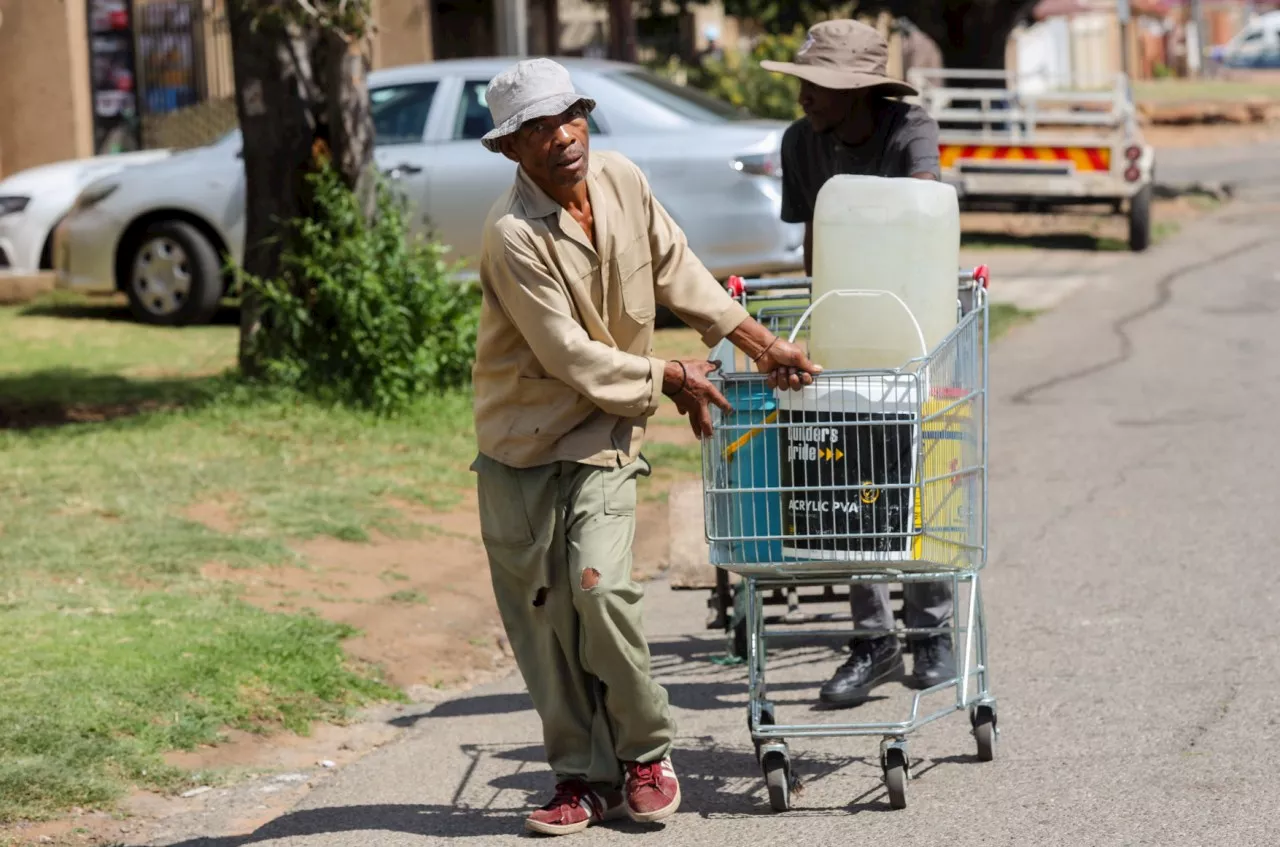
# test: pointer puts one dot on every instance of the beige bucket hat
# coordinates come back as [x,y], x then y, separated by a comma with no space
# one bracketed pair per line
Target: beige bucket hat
[843,55]
[534,88]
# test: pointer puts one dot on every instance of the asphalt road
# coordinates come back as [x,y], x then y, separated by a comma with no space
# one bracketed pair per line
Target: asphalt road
[1132,592]
[1254,170]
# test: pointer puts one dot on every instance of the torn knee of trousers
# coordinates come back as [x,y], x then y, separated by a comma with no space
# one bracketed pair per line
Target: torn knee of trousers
[590,579]
[540,599]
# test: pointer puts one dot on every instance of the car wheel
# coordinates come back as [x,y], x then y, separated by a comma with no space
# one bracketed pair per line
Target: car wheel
[174,277]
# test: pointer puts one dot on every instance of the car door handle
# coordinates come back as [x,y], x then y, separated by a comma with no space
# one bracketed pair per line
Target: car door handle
[403,169]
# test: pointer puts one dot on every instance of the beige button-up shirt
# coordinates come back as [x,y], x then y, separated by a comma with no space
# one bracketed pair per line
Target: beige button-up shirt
[564,367]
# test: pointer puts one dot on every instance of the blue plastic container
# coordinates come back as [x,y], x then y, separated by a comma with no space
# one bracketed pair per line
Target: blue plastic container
[752,462]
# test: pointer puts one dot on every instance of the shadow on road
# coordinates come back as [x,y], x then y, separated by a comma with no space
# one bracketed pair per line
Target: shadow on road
[673,661]
[716,780]
[411,819]
[695,696]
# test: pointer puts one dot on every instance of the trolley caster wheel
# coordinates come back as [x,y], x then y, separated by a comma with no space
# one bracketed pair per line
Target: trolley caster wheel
[896,776]
[777,778]
[984,730]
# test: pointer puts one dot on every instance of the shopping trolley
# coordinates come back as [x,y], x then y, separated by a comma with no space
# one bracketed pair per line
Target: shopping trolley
[867,476]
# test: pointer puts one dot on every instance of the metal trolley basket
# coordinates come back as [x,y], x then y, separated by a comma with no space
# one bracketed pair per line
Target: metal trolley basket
[867,476]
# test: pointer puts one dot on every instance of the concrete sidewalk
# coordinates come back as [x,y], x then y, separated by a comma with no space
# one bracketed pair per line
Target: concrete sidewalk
[1038,280]
[1132,598]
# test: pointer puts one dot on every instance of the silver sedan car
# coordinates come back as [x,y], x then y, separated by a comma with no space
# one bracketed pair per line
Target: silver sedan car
[160,232]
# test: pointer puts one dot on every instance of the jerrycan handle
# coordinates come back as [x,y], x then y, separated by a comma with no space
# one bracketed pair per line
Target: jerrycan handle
[924,347]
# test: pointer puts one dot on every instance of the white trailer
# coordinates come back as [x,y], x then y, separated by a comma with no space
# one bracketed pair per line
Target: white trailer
[1011,147]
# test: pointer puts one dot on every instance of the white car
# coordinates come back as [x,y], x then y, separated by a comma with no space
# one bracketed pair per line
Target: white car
[33,201]
[160,232]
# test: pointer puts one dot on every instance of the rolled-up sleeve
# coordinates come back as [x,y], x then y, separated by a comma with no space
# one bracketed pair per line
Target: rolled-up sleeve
[620,383]
[682,283]
[920,144]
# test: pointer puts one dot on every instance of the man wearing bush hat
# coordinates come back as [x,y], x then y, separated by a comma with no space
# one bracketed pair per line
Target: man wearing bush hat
[852,126]
[576,257]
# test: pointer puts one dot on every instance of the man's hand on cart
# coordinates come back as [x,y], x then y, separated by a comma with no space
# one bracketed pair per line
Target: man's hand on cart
[685,382]
[784,362]
[787,365]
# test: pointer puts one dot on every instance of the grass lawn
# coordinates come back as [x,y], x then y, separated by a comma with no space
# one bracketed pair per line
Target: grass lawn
[1180,90]
[114,648]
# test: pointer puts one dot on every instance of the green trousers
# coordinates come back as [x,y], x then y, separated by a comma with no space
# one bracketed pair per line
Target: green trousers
[559,542]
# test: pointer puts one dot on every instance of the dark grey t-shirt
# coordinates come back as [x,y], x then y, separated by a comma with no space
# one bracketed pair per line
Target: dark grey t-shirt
[905,142]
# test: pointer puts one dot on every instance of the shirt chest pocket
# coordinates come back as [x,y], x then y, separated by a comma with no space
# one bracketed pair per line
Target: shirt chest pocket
[632,270]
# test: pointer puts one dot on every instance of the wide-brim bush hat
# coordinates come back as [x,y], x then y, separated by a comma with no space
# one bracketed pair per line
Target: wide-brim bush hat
[528,90]
[844,55]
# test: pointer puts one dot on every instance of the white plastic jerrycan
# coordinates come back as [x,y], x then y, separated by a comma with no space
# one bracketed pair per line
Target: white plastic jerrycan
[900,236]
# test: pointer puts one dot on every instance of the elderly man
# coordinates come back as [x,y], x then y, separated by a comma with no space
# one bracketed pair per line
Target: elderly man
[852,126]
[576,256]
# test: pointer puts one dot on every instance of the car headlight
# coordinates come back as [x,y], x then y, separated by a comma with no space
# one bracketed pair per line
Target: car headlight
[95,194]
[759,164]
[13,205]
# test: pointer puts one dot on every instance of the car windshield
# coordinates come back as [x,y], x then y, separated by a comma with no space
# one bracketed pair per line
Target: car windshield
[684,101]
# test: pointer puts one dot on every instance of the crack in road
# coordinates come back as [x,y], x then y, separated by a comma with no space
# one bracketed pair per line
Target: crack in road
[1220,711]
[1164,296]
[1119,478]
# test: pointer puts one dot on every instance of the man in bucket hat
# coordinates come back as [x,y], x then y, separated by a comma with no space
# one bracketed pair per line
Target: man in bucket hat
[576,257]
[852,126]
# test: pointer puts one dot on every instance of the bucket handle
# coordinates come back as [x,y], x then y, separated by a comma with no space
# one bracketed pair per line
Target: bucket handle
[856,292]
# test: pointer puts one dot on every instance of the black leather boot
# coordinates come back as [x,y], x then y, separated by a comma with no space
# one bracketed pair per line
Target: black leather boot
[934,661]
[873,661]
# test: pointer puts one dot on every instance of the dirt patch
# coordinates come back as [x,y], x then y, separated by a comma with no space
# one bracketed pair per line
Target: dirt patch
[215,514]
[1242,112]
[1209,135]
[423,604]
[1084,230]
[327,745]
[22,288]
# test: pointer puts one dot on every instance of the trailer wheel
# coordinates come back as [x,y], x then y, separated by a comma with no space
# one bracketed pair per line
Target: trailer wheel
[1140,219]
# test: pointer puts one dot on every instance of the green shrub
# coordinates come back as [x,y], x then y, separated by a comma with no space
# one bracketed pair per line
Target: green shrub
[361,315]
[740,80]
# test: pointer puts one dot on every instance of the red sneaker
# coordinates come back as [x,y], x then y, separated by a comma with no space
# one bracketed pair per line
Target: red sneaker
[575,807]
[652,790]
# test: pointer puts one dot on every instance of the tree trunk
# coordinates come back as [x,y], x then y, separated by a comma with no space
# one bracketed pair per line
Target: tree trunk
[970,34]
[300,92]
[622,31]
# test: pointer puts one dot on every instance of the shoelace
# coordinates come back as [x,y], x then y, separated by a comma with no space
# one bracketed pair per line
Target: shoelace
[568,794]
[647,775]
